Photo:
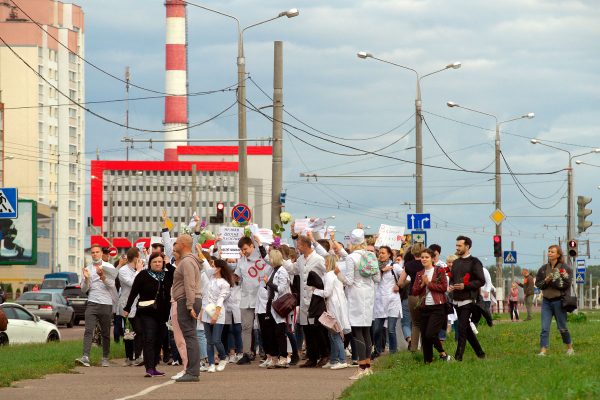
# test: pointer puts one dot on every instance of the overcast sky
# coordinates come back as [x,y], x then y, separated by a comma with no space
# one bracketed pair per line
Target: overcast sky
[517,57]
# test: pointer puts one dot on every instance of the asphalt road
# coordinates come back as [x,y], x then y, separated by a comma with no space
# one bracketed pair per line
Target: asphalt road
[74,333]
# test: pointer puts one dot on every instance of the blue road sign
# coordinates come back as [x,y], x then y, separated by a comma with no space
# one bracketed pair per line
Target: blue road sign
[510,257]
[241,213]
[419,237]
[418,221]
[8,203]
[580,272]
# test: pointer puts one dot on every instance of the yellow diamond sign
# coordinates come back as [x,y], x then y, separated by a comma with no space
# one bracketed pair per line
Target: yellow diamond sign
[498,216]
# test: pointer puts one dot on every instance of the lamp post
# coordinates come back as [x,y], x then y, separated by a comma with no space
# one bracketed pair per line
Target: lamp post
[498,187]
[418,123]
[570,230]
[241,94]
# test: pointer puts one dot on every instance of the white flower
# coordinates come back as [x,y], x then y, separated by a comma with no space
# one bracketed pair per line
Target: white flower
[285,217]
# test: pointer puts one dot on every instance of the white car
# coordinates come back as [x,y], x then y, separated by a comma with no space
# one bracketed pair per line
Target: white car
[24,327]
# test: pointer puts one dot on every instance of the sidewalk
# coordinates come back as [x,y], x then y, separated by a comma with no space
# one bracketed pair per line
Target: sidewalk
[236,382]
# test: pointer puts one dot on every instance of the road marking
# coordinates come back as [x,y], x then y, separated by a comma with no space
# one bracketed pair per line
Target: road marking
[147,390]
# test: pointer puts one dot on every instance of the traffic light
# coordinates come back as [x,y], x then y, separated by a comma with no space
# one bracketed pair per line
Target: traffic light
[583,213]
[497,246]
[572,247]
[220,217]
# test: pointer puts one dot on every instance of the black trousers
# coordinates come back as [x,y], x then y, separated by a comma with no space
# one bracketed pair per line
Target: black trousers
[317,341]
[133,348]
[265,335]
[433,320]
[362,336]
[273,336]
[154,329]
[465,333]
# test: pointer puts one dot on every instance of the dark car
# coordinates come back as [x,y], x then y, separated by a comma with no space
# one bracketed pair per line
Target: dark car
[48,306]
[76,299]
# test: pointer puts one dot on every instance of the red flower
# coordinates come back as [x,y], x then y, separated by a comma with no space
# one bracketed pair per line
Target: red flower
[562,270]
[449,273]
[466,278]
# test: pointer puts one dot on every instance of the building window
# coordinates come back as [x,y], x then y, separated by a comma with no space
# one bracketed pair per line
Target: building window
[72,242]
[43,233]
[72,94]
[72,224]
[73,132]
[72,260]
[72,205]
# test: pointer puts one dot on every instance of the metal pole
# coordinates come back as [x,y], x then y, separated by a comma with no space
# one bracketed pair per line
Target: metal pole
[242,146]
[110,210]
[277,173]
[512,272]
[498,202]
[418,150]
[194,190]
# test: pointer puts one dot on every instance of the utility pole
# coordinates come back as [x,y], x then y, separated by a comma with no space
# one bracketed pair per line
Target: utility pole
[242,135]
[570,233]
[194,189]
[418,149]
[277,172]
[498,201]
[512,274]
[127,77]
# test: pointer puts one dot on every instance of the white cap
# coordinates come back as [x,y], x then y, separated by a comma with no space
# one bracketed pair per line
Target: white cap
[357,237]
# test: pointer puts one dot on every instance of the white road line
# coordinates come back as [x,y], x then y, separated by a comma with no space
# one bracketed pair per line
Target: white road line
[146,391]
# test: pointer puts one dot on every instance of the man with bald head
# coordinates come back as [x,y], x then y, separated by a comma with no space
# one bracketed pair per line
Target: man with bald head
[186,291]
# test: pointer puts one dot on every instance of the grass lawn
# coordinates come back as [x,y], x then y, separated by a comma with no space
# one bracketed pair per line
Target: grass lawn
[512,370]
[36,360]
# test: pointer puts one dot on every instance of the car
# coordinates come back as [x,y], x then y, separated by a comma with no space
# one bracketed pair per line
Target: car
[71,277]
[76,299]
[24,327]
[55,285]
[49,306]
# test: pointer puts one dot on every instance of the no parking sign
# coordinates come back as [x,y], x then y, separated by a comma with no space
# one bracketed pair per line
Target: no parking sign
[241,213]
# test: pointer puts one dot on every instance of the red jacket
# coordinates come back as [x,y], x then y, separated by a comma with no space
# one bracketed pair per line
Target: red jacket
[437,286]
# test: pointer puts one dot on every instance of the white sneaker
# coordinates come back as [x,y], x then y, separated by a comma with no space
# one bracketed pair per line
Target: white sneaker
[212,368]
[339,366]
[203,367]
[359,374]
[570,352]
[176,363]
[368,372]
[268,362]
[327,366]
[238,357]
[178,375]
[348,353]
[222,365]
[283,362]
[542,354]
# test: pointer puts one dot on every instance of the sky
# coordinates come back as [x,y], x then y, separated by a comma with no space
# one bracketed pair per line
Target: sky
[518,56]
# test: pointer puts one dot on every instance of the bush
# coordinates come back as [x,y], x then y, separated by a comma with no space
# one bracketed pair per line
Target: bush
[577,318]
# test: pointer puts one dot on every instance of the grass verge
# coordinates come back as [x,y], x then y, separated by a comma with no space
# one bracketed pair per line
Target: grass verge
[512,368]
[36,360]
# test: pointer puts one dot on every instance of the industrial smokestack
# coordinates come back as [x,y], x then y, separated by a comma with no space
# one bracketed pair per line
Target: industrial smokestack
[176,109]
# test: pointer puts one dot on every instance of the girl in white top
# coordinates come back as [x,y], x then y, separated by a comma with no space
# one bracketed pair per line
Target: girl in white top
[233,320]
[213,314]
[388,304]
[361,300]
[337,306]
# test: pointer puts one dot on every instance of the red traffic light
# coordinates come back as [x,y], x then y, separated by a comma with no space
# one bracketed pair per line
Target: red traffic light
[497,239]
[220,206]
[572,244]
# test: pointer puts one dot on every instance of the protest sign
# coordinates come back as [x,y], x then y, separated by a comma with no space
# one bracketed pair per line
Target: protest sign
[391,236]
[230,236]
[264,234]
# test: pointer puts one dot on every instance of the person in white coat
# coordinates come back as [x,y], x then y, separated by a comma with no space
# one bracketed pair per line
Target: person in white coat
[388,304]
[274,338]
[361,300]
[127,274]
[213,314]
[337,306]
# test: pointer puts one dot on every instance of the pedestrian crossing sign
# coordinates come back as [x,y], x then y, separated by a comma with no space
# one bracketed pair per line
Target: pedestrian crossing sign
[510,257]
[8,203]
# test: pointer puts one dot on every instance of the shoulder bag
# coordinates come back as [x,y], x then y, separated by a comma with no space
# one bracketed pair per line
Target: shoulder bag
[284,305]
[568,302]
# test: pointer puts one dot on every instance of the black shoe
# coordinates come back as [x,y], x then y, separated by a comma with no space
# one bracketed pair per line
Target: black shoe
[481,356]
[309,364]
[294,359]
[188,378]
[374,355]
[245,360]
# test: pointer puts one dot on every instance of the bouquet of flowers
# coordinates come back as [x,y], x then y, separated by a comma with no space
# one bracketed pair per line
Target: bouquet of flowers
[285,217]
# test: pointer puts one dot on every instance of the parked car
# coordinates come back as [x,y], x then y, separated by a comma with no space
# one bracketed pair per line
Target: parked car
[24,327]
[71,277]
[56,285]
[76,299]
[49,306]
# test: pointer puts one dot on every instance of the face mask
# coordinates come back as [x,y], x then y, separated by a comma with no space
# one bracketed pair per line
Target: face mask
[232,266]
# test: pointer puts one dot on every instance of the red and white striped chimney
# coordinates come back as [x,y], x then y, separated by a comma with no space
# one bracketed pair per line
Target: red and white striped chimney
[176,78]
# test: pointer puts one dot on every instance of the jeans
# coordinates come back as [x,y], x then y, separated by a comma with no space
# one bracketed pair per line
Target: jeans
[415,316]
[406,320]
[118,330]
[187,324]
[213,340]
[292,339]
[102,314]
[234,337]
[337,353]
[201,343]
[378,331]
[552,308]
[154,329]
[514,311]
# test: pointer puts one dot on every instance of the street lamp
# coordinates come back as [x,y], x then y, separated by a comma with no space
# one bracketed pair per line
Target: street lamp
[241,94]
[418,126]
[498,187]
[110,199]
[570,230]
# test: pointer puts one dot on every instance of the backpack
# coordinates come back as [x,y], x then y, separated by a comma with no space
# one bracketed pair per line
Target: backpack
[368,264]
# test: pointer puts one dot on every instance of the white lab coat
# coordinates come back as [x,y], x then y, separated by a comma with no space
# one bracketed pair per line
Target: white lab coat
[232,304]
[360,291]
[282,281]
[388,302]
[335,299]
[126,277]
[302,267]
[217,293]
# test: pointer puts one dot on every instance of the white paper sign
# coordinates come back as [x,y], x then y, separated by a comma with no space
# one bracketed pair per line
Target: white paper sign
[304,225]
[264,234]
[301,225]
[391,236]
[230,236]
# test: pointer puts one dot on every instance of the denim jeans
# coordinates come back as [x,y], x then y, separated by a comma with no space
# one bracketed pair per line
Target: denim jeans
[406,322]
[213,340]
[552,308]
[337,354]
[378,332]
[234,337]
[201,343]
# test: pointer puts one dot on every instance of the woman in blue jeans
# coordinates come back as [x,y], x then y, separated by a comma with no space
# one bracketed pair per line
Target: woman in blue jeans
[554,279]
[388,304]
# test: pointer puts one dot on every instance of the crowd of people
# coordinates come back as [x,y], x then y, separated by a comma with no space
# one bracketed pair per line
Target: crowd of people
[334,306]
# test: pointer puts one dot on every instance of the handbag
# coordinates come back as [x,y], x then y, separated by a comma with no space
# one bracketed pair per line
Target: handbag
[328,321]
[149,304]
[568,302]
[284,304]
